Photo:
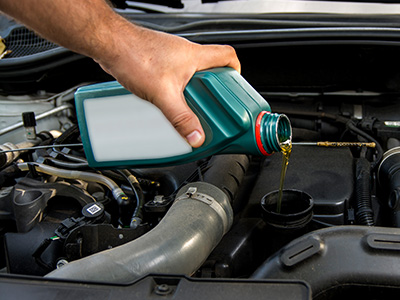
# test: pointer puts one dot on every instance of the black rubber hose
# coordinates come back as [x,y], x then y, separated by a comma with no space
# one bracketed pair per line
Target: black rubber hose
[389,180]
[227,172]
[179,244]
[67,165]
[379,151]
[364,212]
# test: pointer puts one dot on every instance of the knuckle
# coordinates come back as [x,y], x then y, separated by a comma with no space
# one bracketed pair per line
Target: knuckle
[180,120]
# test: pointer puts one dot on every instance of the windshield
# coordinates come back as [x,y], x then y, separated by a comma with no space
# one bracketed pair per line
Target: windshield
[266,6]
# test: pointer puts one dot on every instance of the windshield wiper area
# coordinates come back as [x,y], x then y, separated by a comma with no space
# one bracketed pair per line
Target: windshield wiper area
[168,3]
[212,1]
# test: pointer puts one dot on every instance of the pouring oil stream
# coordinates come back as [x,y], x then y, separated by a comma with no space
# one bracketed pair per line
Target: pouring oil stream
[286,147]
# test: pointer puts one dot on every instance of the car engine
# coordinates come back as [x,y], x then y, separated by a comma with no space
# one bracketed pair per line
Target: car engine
[205,220]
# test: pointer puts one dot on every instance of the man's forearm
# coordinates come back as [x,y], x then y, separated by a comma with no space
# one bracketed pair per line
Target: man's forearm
[75,24]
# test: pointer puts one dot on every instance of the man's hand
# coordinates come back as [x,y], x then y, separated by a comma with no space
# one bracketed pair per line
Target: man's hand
[157,67]
[153,65]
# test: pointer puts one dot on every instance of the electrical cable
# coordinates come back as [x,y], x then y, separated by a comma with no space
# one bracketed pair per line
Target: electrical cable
[73,130]
[42,147]
[128,177]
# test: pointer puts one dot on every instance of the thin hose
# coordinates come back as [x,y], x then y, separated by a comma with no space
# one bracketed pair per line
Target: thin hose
[117,192]
[137,190]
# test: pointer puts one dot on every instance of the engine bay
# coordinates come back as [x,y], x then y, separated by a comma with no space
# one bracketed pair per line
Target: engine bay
[62,219]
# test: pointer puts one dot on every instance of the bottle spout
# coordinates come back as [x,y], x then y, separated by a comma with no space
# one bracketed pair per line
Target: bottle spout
[272,130]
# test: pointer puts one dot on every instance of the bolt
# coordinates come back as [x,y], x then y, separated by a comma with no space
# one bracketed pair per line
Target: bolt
[121,236]
[61,262]
[158,199]
[163,289]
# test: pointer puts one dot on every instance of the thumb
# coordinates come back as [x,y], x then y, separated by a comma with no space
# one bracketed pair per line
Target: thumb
[184,120]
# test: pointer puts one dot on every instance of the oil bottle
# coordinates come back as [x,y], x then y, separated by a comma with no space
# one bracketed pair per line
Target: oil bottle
[119,129]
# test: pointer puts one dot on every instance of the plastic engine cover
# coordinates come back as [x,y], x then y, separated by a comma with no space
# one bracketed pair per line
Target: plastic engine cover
[324,173]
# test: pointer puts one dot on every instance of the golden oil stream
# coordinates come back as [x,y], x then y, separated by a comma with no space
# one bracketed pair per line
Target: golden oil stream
[286,147]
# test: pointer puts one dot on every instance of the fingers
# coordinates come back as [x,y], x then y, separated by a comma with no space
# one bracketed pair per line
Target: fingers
[183,119]
[188,125]
[177,111]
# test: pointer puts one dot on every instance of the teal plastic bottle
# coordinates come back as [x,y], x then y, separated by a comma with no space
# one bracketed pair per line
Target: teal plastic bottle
[119,129]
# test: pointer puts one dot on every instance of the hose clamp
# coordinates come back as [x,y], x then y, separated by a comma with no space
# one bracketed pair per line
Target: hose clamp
[192,193]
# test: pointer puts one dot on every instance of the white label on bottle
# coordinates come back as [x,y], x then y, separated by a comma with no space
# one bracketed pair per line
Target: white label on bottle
[127,127]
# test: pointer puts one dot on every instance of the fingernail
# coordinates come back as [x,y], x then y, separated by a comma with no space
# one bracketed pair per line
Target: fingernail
[194,138]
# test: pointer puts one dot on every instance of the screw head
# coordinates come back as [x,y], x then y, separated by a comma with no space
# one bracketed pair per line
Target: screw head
[61,262]
[163,289]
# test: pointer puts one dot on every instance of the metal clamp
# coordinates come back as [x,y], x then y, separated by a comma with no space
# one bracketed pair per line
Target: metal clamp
[192,193]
